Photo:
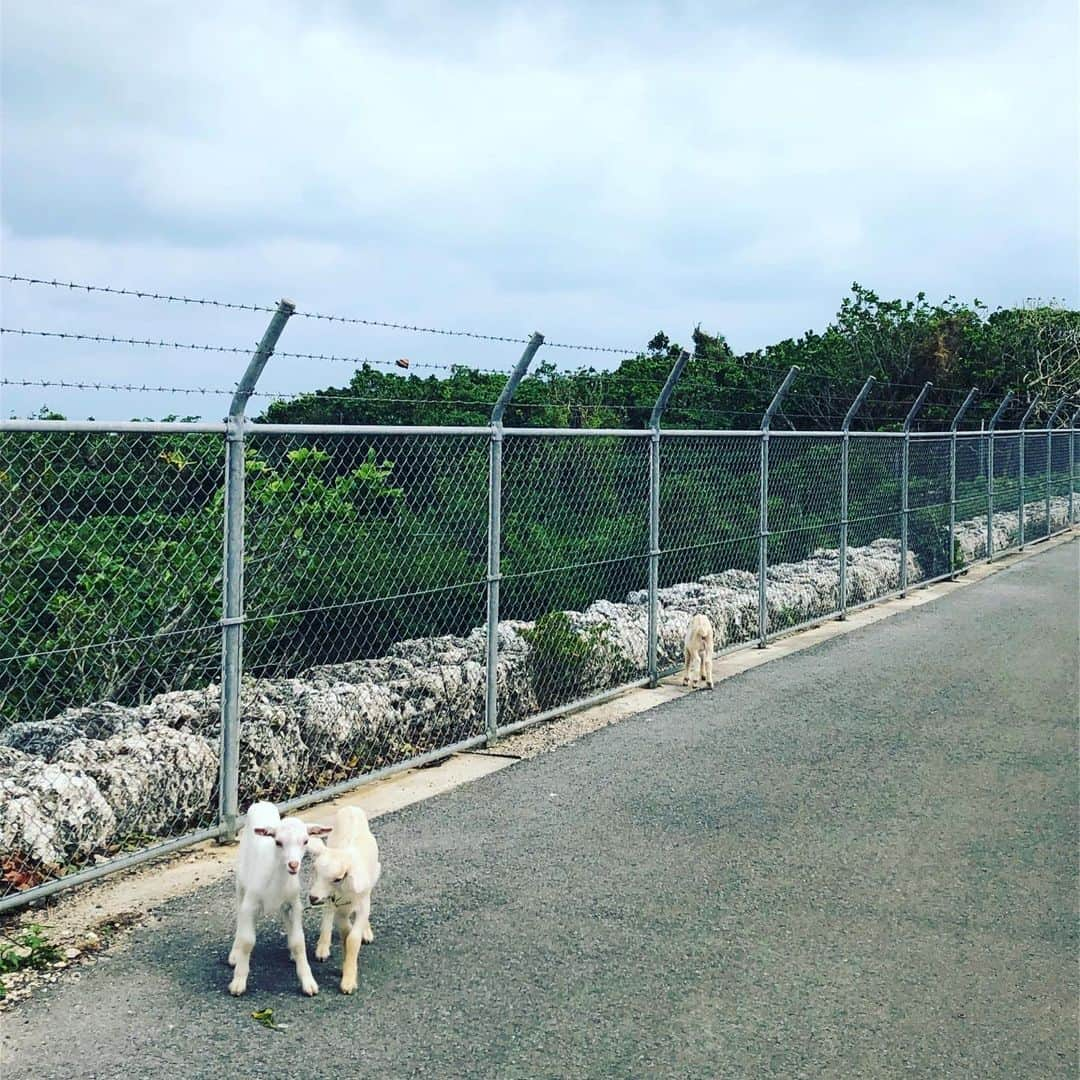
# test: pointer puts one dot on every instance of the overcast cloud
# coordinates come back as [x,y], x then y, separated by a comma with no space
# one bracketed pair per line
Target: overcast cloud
[595,171]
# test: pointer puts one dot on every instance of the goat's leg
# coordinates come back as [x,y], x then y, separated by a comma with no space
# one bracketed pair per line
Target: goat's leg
[369,934]
[352,946]
[243,943]
[344,924]
[688,659]
[706,668]
[234,952]
[326,930]
[293,917]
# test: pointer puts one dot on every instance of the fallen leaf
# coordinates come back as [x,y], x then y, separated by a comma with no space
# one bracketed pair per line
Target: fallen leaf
[266,1018]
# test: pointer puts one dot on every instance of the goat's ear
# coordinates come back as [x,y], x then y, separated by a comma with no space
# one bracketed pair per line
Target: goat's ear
[319,830]
[262,830]
[358,880]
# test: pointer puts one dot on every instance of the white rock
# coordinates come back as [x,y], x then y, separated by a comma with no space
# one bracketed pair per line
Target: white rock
[52,813]
[124,770]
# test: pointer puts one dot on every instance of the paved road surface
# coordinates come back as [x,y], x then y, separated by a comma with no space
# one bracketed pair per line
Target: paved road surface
[858,861]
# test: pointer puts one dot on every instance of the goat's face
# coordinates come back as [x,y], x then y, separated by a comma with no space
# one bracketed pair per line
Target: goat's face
[291,837]
[330,872]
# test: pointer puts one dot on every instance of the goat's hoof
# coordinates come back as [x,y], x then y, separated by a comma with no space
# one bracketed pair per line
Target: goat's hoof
[369,934]
[237,987]
[309,987]
[348,987]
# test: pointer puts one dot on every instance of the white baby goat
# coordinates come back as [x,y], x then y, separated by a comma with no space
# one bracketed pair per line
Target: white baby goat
[268,879]
[698,648]
[346,869]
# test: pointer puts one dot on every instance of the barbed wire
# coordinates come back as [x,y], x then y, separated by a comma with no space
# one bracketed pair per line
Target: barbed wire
[802,394]
[847,384]
[141,294]
[297,396]
[806,396]
[584,408]
[63,384]
[110,339]
[145,294]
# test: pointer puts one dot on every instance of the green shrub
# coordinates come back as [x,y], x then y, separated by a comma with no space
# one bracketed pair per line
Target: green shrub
[566,664]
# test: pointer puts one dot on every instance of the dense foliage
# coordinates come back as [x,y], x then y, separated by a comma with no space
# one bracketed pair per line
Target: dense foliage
[110,546]
[1033,350]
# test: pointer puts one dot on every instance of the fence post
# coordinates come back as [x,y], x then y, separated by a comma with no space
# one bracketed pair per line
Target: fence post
[1023,440]
[1072,463]
[952,476]
[1050,459]
[232,618]
[905,509]
[763,510]
[990,476]
[844,447]
[653,628]
[491,700]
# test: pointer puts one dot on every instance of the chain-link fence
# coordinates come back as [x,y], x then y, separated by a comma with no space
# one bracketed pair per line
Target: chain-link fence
[408,592]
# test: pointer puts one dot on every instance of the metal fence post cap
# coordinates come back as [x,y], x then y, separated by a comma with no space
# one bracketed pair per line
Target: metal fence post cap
[857,403]
[778,397]
[1000,409]
[515,377]
[1057,409]
[668,388]
[914,410]
[288,305]
[963,408]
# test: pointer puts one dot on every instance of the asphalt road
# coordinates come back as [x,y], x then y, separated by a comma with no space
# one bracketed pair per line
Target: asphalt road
[858,861]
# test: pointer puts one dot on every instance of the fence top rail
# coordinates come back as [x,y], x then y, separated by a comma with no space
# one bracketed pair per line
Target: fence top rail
[636,433]
[946,436]
[220,427]
[117,427]
[835,434]
[478,430]
[684,433]
[1032,431]
[774,434]
[1024,431]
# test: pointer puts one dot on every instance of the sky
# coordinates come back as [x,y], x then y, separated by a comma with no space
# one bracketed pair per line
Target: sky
[597,172]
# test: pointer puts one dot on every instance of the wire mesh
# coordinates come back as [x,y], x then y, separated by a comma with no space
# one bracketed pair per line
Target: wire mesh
[1035,485]
[365,584]
[708,538]
[971,487]
[874,511]
[804,529]
[574,562]
[1006,492]
[1059,480]
[1074,478]
[110,554]
[928,503]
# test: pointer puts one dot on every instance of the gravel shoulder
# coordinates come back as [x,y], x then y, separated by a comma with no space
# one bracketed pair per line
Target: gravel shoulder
[859,860]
